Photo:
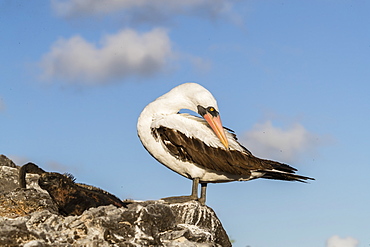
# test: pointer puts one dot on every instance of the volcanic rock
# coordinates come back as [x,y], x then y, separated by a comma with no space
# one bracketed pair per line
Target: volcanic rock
[29,217]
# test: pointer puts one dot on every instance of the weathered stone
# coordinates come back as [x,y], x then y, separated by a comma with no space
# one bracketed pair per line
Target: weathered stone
[9,178]
[14,232]
[30,218]
[21,202]
[5,161]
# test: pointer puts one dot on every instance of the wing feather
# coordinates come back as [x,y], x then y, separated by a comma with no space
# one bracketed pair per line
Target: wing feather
[209,154]
[195,151]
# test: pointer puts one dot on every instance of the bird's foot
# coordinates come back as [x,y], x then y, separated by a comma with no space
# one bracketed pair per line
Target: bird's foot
[192,197]
[180,199]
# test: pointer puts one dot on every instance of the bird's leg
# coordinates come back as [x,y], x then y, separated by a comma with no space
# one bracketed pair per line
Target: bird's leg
[194,189]
[181,199]
[203,193]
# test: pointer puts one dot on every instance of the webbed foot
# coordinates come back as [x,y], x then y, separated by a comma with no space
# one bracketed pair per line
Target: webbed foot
[192,197]
[179,199]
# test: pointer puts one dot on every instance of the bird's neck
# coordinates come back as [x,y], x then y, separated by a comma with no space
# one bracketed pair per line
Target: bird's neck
[165,105]
[153,111]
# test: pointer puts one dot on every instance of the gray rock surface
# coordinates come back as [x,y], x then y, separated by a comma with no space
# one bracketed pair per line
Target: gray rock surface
[29,218]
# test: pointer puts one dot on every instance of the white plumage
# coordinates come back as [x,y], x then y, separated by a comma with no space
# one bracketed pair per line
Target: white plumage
[200,148]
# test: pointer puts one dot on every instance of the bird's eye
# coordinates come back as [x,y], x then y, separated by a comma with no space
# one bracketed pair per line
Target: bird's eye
[212,111]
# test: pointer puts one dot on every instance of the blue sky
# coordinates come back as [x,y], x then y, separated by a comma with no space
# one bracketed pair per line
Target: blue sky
[291,78]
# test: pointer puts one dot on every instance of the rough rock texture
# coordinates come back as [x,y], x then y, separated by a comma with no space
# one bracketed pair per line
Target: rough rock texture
[30,218]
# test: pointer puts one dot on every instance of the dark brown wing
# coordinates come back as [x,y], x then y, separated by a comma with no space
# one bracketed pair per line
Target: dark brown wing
[227,161]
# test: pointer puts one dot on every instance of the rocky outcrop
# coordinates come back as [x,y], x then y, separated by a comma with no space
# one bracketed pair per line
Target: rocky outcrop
[29,217]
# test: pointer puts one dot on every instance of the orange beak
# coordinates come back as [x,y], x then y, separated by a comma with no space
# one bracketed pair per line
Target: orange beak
[216,125]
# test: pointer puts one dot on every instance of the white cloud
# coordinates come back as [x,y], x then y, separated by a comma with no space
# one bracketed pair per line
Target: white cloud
[268,141]
[126,53]
[142,10]
[336,241]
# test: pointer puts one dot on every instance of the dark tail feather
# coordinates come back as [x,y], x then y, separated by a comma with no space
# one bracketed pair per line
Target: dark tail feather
[282,171]
[280,166]
[285,176]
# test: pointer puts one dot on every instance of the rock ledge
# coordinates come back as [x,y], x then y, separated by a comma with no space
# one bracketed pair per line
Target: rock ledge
[30,218]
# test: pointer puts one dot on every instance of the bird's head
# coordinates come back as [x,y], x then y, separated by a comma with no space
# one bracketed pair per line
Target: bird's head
[198,99]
